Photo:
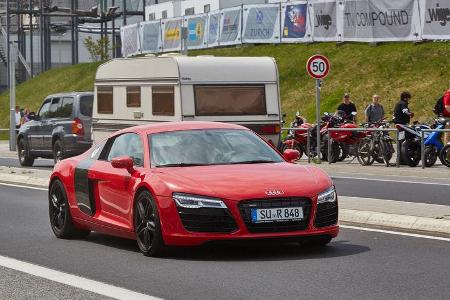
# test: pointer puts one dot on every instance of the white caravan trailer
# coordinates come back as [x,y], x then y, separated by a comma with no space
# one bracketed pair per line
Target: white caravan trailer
[240,90]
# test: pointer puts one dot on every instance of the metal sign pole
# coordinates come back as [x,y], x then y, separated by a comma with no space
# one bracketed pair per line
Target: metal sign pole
[318,81]
[12,99]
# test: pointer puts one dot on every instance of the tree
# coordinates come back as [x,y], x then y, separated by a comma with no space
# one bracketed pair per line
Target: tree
[98,50]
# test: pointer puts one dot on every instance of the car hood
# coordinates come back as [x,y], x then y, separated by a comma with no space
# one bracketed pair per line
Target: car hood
[246,181]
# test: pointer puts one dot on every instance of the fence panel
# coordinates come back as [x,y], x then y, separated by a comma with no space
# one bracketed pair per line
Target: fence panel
[261,23]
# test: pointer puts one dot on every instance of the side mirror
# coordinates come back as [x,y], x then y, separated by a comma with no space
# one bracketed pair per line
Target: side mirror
[123,162]
[291,155]
[32,116]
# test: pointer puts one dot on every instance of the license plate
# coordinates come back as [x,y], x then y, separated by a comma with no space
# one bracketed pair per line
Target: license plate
[277,214]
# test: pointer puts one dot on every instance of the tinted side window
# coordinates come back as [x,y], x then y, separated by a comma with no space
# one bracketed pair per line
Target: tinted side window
[86,103]
[54,106]
[43,112]
[163,101]
[105,99]
[65,110]
[128,144]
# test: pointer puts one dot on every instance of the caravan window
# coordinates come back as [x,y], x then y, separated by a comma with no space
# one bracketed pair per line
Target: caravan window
[227,100]
[133,96]
[105,99]
[163,98]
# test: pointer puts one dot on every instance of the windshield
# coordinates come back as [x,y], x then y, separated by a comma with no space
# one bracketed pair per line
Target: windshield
[209,147]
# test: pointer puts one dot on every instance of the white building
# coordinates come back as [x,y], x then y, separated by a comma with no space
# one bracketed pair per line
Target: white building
[171,9]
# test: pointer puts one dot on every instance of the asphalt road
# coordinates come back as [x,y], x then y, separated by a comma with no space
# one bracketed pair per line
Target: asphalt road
[358,264]
[45,164]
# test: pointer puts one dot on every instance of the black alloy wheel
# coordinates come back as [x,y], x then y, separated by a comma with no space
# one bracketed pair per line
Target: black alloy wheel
[431,156]
[147,226]
[58,151]
[59,213]
[444,155]
[24,159]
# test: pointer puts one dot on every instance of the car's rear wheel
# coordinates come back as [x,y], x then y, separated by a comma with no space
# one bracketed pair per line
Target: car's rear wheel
[58,151]
[59,213]
[25,159]
[148,226]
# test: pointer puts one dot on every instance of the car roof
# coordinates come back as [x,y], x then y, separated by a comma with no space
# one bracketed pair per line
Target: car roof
[69,94]
[179,126]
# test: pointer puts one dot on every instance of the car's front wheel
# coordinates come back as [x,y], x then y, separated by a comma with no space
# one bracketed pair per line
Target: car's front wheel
[148,226]
[25,159]
[58,151]
[59,212]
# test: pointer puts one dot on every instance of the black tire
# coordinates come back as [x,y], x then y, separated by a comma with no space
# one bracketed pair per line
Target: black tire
[365,155]
[444,155]
[25,159]
[316,241]
[344,151]
[59,213]
[58,151]
[335,152]
[148,226]
[431,156]
[411,153]
[387,150]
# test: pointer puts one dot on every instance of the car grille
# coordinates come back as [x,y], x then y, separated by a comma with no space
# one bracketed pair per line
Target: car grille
[217,220]
[326,215]
[245,208]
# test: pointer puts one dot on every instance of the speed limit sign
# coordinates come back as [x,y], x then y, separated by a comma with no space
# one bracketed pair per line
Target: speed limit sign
[318,66]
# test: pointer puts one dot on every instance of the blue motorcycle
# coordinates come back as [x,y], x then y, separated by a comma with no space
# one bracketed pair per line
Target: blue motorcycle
[433,143]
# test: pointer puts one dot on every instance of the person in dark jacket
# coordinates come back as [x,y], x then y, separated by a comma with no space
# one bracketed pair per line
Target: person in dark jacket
[348,107]
[402,114]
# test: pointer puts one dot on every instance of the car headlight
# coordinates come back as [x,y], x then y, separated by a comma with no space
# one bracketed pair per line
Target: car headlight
[194,201]
[328,195]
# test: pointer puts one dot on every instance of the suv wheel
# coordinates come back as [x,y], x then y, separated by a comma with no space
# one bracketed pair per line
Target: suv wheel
[25,159]
[58,151]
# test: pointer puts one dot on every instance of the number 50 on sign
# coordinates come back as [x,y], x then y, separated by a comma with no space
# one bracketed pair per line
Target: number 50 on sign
[318,66]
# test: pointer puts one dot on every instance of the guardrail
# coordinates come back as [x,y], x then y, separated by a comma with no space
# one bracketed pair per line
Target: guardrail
[420,134]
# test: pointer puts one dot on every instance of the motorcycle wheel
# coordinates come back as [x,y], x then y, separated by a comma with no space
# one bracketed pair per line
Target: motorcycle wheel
[335,152]
[444,155]
[431,156]
[344,151]
[364,154]
[387,150]
[410,153]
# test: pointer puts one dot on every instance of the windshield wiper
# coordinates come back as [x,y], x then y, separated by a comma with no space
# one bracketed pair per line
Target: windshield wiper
[181,165]
[259,161]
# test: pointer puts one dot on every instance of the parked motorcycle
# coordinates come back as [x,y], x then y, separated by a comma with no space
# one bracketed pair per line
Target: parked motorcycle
[433,143]
[409,138]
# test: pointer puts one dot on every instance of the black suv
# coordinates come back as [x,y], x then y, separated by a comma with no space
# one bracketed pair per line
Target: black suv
[62,128]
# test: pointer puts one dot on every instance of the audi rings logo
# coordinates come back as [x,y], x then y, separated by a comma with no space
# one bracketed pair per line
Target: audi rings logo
[274,192]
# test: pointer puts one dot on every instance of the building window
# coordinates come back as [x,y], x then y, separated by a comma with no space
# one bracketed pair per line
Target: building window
[133,96]
[105,99]
[164,14]
[207,8]
[151,16]
[189,11]
[163,101]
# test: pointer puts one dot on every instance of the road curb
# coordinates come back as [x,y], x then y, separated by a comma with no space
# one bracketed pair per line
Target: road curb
[23,180]
[394,221]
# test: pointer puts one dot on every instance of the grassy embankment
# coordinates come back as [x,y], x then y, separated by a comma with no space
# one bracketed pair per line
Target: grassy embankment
[360,69]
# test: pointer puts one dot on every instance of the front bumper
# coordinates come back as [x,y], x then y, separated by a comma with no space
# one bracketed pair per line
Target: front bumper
[317,222]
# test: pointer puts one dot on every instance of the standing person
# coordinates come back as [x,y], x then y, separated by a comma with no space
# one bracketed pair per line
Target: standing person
[402,114]
[18,117]
[442,108]
[374,112]
[25,118]
[348,107]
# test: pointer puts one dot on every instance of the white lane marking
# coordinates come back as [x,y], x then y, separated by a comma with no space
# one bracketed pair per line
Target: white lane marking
[72,280]
[422,236]
[390,180]
[391,175]
[24,186]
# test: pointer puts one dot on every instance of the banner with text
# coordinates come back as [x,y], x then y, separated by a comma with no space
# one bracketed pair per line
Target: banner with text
[129,36]
[324,20]
[171,29]
[381,20]
[435,19]
[196,26]
[230,26]
[261,23]
[295,22]
[213,29]
[150,33]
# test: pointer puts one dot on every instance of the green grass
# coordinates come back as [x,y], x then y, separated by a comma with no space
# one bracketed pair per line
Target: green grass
[361,69]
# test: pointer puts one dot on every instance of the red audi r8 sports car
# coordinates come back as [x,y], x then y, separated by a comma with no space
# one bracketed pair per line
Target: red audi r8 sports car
[187,183]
